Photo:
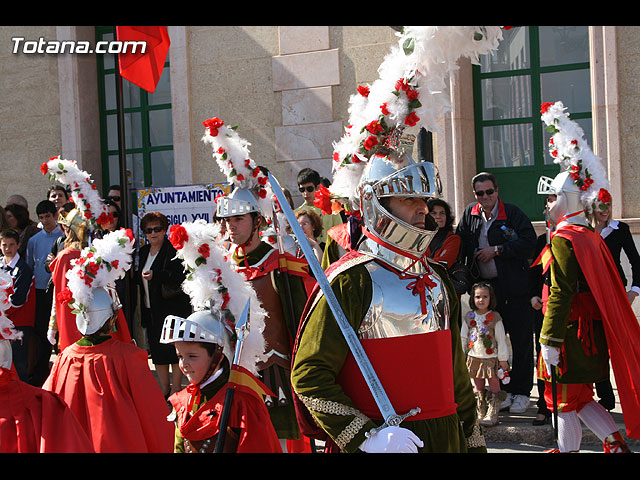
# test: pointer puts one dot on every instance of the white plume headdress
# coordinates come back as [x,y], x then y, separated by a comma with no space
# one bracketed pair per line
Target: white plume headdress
[98,266]
[213,284]
[233,157]
[570,150]
[410,93]
[83,190]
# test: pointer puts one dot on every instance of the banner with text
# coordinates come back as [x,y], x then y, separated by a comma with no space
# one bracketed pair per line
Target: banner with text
[185,203]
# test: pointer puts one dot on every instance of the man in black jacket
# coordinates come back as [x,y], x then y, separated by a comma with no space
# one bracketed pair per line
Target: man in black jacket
[498,241]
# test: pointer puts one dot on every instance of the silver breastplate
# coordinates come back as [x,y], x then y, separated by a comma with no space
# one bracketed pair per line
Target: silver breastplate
[395,311]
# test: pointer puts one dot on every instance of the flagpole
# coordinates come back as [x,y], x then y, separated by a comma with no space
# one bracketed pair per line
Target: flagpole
[124,181]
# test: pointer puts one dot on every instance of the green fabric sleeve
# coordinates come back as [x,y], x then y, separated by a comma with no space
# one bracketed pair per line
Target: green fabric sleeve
[321,353]
[564,277]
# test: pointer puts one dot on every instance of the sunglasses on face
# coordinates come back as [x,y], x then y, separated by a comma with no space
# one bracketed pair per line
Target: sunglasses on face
[149,230]
[115,198]
[488,191]
[308,189]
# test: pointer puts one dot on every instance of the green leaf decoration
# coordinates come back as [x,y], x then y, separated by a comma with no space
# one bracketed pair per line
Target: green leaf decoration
[408,46]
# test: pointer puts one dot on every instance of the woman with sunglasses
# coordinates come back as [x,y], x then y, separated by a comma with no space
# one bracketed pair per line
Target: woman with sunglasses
[160,275]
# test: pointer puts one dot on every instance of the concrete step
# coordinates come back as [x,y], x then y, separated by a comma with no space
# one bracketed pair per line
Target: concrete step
[517,428]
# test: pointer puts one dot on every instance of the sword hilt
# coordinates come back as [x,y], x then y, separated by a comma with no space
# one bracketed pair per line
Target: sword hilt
[393,421]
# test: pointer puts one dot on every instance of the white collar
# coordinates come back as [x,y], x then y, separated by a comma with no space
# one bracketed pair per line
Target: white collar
[611,226]
[13,262]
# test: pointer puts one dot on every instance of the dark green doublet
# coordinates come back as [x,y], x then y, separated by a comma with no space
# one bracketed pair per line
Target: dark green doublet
[321,354]
[557,331]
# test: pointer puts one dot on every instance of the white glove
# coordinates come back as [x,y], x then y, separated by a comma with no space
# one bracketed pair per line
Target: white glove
[550,355]
[52,331]
[392,440]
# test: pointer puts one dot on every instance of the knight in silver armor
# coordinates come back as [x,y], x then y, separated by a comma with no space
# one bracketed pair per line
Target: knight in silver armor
[403,306]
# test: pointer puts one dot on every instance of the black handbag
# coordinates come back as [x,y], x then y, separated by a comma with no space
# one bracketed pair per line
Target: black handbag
[460,277]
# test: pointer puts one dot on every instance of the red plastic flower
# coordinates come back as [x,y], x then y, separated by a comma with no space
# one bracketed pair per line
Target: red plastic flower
[402,85]
[384,109]
[213,124]
[44,168]
[177,236]
[545,106]
[92,268]
[129,234]
[604,196]
[364,91]
[322,199]
[370,142]
[204,250]
[374,127]
[412,119]
[65,296]
[412,94]
[115,263]
[105,218]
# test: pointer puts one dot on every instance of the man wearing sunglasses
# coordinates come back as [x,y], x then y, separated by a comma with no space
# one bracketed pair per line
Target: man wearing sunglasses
[498,241]
[308,182]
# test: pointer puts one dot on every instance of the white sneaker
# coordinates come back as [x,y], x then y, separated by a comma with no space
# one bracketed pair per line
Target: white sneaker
[506,402]
[519,404]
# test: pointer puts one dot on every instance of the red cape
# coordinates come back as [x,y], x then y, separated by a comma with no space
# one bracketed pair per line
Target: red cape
[248,413]
[67,329]
[33,420]
[112,392]
[620,324]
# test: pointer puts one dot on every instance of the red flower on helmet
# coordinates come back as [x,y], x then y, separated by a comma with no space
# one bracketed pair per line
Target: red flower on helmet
[364,91]
[92,268]
[322,199]
[65,296]
[204,250]
[545,106]
[105,218]
[177,236]
[213,124]
[374,127]
[604,196]
[412,119]
[370,142]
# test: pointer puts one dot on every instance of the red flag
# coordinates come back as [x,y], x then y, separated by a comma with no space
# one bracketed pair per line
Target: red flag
[143,69]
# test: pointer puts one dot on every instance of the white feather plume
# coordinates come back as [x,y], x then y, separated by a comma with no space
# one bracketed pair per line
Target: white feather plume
[84,192]
[410,93]
[212,282]
[569,149]
[99,265]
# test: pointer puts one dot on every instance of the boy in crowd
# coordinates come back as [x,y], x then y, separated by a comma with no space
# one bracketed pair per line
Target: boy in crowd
[38,248]
[22,300]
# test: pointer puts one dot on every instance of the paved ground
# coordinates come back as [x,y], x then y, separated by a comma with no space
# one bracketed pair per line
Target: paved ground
[515,432]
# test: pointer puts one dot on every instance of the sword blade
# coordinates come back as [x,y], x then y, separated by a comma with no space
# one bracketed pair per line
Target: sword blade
[241,327]
[377,391]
